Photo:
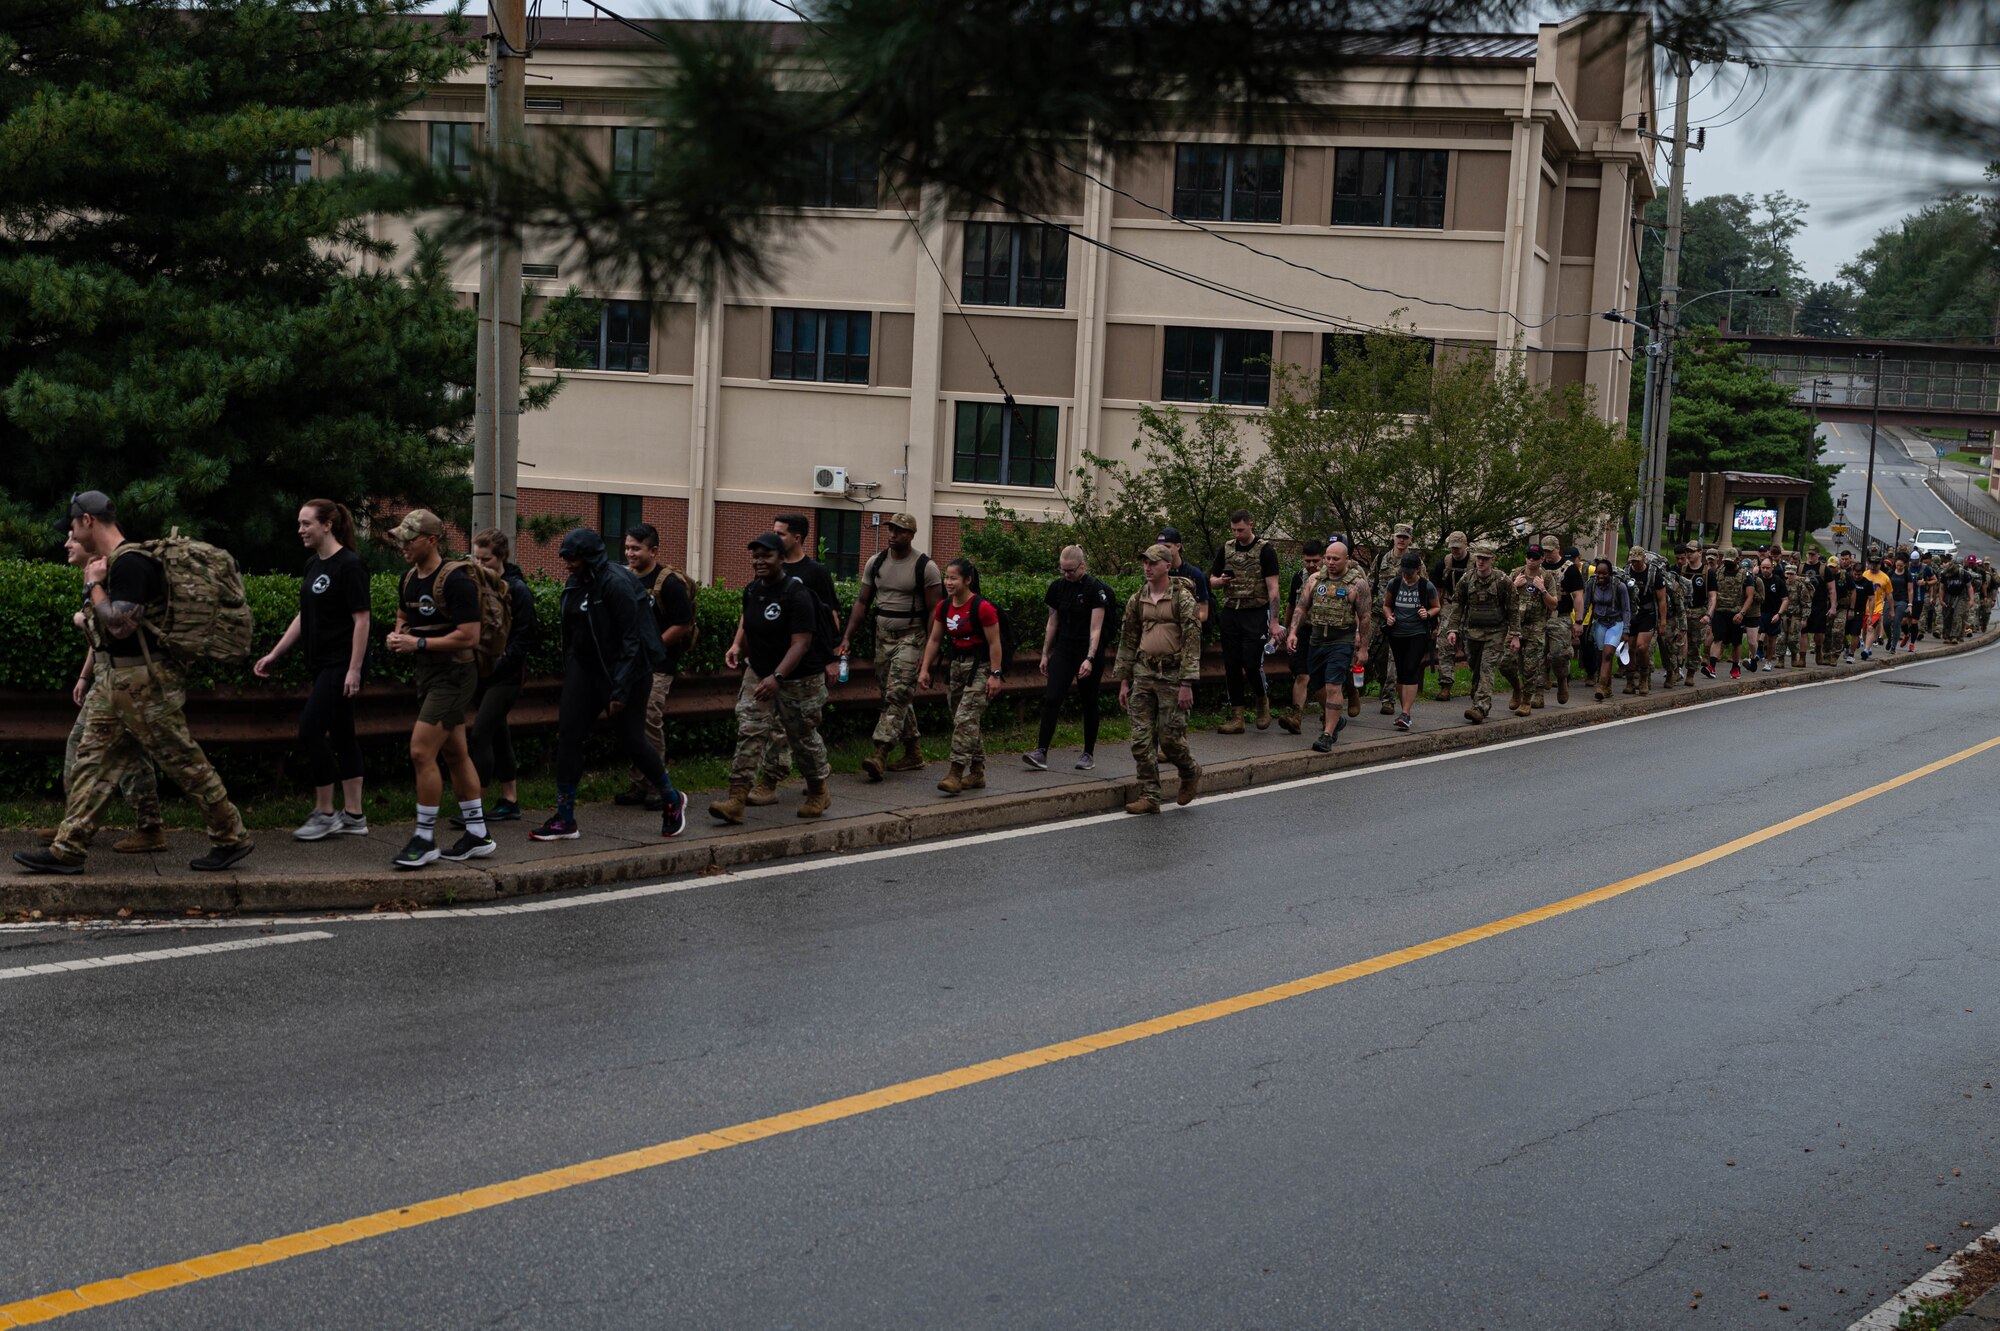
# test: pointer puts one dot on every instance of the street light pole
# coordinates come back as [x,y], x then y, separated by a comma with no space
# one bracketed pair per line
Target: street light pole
[1874,422]
[1670,298]
[1812,459]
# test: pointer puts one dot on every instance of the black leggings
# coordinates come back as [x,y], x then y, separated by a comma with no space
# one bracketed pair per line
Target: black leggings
[491,742]
[1064,661]
[585,694]
[326,729]
[1243,634]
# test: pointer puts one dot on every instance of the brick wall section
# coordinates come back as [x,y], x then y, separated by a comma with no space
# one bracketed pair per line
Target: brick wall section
[735,524]
[945,538]
[534,557]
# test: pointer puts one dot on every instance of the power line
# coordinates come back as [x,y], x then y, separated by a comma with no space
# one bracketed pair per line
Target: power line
[1766,87]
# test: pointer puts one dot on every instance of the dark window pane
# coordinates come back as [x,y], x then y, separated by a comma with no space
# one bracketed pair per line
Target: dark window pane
[1419,189]
[852,176]
[972,272]
[840,541]
[990,429]
[1360,187]
[1189,365]
[616,514]
[1199,175]
[1257,191]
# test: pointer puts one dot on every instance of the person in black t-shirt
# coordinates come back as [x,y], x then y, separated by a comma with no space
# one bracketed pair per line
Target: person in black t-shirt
[490,740]
[673,619]
[1076,644]
[138,705]
[795,531]
[333,622]
[784,683]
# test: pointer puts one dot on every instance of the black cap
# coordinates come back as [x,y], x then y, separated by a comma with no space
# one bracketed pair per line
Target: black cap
[1412,560]
[1570,552]
[1169,534]
[88,503]
[766,540]
[1534,552]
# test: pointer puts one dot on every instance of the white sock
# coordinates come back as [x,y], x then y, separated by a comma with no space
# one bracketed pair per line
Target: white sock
[427,821]
[474,814]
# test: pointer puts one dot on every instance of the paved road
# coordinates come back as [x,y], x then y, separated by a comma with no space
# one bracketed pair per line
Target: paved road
[1900,492]
[1764,1074]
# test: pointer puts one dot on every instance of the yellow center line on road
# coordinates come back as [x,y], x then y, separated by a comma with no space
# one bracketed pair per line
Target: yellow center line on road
[1891,507]
[61,1303]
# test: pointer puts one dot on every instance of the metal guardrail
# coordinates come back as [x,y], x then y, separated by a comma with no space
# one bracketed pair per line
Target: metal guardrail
[254,718]
[1963,497]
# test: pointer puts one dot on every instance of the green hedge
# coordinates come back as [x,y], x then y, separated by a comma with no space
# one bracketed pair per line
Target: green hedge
[40,650]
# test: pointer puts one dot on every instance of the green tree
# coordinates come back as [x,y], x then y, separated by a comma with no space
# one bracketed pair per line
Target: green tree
[1483,447]
[194,316]
[1827,310]
[1728,415]
[1733,241]
[1933,278]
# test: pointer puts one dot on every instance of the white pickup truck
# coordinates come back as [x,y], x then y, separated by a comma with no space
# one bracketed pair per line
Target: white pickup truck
[1934,543]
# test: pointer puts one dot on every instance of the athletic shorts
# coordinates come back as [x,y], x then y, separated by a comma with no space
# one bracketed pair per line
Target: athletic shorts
[1726,630]
[444,692]
[1333,662]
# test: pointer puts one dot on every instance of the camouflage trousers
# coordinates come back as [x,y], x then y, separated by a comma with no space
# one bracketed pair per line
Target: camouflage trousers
[899,651]
[656,720]
[1697,640]
[1789,627]
[1485,650]
[137,783]
[131,715]
[1673,647]
[1527,669]
[965,699]
[791,718]
[1382,664]
[1957,613]
[1159,729]
[1557,647]
[1836,631]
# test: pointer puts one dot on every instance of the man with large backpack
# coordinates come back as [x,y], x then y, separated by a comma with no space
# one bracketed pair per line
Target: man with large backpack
[902,586]
[440,620]
[138,705]
[671,601]
[1245,575]
[1158,664]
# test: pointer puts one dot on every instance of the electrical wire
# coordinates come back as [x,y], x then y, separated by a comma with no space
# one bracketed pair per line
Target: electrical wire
[1719,124]
[1740,90]
[1660,108]
[1869,67]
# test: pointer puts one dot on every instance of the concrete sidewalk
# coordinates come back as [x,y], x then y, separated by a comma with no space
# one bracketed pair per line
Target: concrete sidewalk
[623,845]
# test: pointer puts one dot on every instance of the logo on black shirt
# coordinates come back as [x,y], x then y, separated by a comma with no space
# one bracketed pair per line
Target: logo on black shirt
[773,611]
[426,606]
[320,584]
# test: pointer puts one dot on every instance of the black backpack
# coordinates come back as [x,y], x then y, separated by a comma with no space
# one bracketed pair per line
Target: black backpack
[826,638]
[874,571]
[1006,628]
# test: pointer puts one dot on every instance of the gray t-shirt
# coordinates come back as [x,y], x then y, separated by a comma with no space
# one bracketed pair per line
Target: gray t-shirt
[894,582]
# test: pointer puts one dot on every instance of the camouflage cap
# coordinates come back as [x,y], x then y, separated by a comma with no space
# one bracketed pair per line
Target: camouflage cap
[1483,549]
[1636,552]
[1456,540]
[1403,529]
[417,522]
[1159,554]
[901,521]
[1726,551]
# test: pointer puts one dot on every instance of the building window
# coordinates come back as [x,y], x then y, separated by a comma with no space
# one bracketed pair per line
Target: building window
[622,340]
[292,167]
[1403,392]
[997,445]
[835,173]
[840,541]
[823,346]
[1389,187]
[1218,183]
[631,162]
[451,147]
[1012,263]
[1217,365]
[616,514]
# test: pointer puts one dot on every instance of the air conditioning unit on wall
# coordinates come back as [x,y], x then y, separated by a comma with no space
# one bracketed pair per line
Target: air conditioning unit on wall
[829,480]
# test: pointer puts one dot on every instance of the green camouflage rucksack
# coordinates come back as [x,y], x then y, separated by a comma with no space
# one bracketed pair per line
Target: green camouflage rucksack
[205,615]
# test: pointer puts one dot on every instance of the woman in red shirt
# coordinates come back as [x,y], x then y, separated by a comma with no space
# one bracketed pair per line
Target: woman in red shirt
[965,628]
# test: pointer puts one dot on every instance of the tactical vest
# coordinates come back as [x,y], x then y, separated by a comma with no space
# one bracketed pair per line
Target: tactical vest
[1246,575]
[1330,614]
[1535,610]
[1800,589]
[1482,600]
[1729,591]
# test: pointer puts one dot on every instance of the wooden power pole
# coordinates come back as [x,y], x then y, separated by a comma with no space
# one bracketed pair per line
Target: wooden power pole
[496,440]
[1652,503]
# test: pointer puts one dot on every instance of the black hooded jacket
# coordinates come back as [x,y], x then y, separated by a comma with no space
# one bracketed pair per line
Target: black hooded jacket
[622,647]
[527,631]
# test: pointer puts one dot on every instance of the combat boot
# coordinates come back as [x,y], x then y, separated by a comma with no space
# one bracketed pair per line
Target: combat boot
[975,778]
[144,840]
[1520,707]
[1264,712]
[1445,681]
[876,764]
[1291,721]
[1352,697]
[1535,703]
[912,759]
[1189,788]
[1631,682]
[1234,725]
[954,780]
[1514,698]
[1144,804]
[1645,679]
[764,792]
[1562,689]
[816,799]
[1388,704]
[1475,715]
[730,809]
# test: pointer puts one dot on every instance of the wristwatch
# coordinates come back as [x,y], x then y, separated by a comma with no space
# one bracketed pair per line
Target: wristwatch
[778,675]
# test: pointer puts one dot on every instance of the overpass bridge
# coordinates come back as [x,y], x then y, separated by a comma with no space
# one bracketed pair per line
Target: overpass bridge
[1917,384]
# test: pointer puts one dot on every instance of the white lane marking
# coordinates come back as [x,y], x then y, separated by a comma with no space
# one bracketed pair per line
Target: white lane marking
[611,896]
[1938,1280]
[163,954]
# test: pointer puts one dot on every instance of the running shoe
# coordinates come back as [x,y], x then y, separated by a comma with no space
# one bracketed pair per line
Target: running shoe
[317,828]
[470,847]
[504,811]
[1402,720]
[1324,744]
[1736,672]
[417,854]
[1037,759]
[674,817]
[1867,654]
[1708,672]
[352,824]
[557,828]
[220,857]
[1086,763]
[1849,658]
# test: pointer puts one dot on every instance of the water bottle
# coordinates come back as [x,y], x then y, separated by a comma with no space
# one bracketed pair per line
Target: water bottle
[1270,646]
[843,669]
[1359,672]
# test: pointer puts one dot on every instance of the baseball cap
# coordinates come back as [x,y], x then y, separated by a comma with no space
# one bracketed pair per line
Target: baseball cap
[902,521]
[766,540]
[1456,540]
[1412,560]
[417,522]
[1403,529]
[1169,534]
[1571,552]
[1534,552]
[1483,548]
[1159,554]
[88,504]
[1638,551]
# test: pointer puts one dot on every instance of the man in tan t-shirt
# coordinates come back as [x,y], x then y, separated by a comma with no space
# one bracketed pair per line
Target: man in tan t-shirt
[1159,660]
[903,585]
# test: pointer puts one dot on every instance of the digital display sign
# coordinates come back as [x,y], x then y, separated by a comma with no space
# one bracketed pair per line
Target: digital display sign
[1756,519]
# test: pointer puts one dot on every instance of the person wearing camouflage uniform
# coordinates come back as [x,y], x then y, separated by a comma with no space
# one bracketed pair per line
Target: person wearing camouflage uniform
[783,692]
[902,617]
[1159,660]
[1956,585]
[1525,667]
[965,633]
[1983,581]
[1335,605]
[1559,632]
[1694,638]
[1450,569]
[1479,613]
[134,711]
[1387,568]
[1791,624]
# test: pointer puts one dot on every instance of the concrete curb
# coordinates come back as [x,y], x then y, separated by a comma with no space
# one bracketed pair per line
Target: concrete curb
[206,894]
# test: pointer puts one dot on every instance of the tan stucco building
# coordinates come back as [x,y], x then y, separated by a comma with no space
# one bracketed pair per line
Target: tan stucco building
[1503,173]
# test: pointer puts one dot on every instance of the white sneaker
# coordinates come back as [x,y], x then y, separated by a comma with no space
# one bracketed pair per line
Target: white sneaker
[352,824]
[318,827]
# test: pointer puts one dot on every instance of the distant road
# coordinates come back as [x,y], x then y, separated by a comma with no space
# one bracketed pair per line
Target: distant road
[1900,492]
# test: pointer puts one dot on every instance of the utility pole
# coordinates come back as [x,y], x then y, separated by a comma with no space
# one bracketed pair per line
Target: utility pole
[1874,423]
[1812,456]
[496,437]
[1653,502]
